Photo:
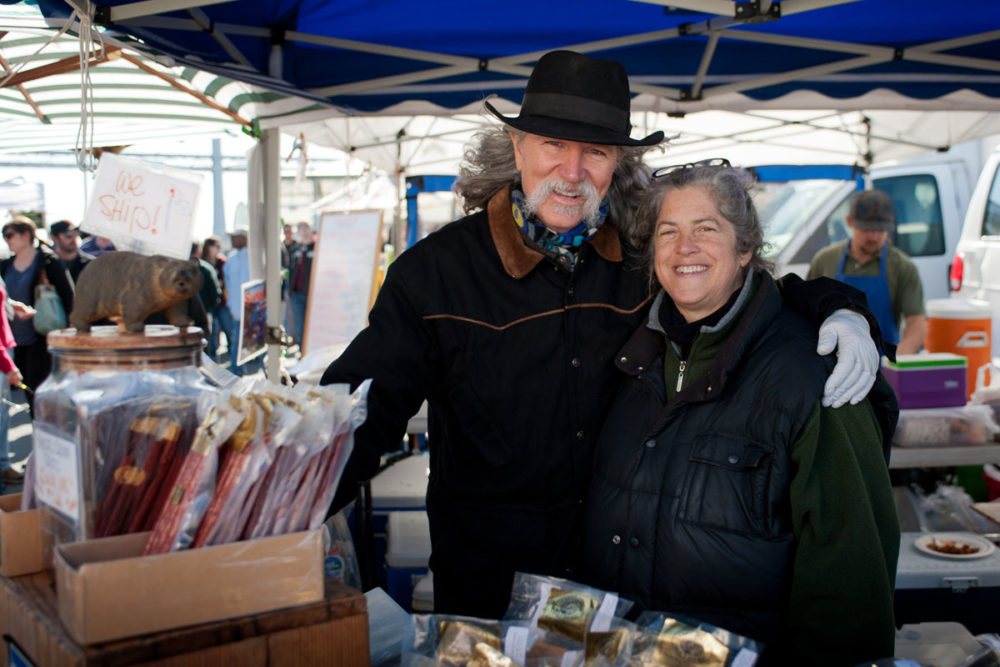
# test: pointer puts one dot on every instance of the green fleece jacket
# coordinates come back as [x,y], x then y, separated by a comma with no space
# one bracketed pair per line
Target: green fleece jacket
[843,513]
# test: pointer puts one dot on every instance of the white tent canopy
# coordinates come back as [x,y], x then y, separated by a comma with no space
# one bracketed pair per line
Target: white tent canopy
[49,102]
[414,145]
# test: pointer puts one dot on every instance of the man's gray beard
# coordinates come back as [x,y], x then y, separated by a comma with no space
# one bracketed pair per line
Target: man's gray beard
[589,210]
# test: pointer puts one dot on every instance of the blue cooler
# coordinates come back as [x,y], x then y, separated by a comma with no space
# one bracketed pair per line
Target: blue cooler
[408,550]
[401,486]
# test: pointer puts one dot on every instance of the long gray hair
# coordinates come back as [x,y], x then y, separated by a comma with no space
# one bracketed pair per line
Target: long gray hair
[488,167]
[731,190]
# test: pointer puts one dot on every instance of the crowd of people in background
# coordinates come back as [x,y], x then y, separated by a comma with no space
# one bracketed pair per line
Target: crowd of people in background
[58,259]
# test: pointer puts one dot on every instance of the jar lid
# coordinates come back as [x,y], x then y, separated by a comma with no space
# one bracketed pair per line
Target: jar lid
[154,336]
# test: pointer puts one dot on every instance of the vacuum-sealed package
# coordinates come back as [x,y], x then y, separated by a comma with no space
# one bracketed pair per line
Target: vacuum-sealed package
[676,641]
[460,641]
[563,607]
[113,423]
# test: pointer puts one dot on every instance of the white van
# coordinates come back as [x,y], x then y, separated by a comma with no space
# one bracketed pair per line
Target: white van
[975,272]
[803,216]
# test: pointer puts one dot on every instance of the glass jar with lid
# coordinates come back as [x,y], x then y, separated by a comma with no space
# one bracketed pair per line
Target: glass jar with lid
[113,422]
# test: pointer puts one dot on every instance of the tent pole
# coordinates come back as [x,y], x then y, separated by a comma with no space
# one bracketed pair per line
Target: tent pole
[272,229]
[218,202]
[272,252]
[398,233]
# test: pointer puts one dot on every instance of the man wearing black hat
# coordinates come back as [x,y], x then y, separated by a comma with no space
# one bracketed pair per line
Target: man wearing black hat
[506,322]
[65,240]
[868,262]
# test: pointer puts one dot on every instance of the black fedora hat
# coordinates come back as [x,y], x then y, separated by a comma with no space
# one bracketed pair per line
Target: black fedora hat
[575,97]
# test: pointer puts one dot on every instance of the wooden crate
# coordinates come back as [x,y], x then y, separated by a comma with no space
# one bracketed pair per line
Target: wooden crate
[333,631]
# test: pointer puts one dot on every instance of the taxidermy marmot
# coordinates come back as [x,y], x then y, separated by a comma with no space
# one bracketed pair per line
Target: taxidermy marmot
[127,287]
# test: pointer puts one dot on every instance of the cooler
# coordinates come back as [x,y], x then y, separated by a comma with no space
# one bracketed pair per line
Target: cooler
[942,588]
[408,550]
[962,327]
[423,594]
[400,487]
[934,380]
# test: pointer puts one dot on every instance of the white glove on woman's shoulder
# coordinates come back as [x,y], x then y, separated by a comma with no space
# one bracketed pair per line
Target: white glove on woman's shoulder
[857,357]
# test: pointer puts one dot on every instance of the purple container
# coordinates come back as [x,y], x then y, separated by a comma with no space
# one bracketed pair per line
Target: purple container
[934,387]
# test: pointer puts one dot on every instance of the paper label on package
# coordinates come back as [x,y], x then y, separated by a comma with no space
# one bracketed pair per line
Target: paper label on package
[56,462]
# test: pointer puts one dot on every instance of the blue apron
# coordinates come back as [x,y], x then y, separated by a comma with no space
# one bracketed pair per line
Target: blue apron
[876,289]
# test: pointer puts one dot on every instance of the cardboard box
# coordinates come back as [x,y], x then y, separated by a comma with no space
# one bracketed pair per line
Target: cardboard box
[20,538]
[333,631]
[927,380]
[106,588]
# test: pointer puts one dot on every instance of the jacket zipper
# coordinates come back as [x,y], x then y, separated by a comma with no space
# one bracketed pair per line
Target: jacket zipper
[680,375]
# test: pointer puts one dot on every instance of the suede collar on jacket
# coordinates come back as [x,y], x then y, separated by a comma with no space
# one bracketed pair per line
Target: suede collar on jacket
[518,259]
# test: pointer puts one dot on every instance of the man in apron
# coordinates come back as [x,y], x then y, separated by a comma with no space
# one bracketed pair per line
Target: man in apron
[884,273]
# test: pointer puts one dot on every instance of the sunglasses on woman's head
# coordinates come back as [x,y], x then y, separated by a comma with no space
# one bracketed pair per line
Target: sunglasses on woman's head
[710,162]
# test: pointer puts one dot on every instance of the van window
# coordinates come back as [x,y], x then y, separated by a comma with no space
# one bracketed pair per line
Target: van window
[991,220]
[786,207]
[919,227]
[833,229]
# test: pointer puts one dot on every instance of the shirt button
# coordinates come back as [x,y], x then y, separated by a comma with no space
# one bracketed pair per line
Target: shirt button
[616,540]
[575,363]
[569,291]
[579,435]
[623,359]
[733,459]
[651,443]
[633,541]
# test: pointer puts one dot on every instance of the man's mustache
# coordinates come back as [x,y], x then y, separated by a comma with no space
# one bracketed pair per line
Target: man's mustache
[587,208]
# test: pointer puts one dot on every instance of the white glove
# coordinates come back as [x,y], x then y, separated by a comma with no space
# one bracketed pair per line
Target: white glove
[857,357]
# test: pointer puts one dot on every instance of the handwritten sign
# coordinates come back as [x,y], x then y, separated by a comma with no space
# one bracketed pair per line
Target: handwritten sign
[343,274]
[57,465]
[142,207]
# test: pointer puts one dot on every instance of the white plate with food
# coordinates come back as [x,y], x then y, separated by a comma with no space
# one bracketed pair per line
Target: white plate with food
[959,546]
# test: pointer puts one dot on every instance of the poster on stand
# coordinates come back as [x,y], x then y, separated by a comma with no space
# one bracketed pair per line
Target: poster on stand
[253,321]
[342,285]
[142,207]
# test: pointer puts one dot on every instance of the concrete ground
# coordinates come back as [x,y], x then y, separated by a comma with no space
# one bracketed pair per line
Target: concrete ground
[19,435]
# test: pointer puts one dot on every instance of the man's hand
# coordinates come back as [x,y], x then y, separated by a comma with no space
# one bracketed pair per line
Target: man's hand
[857,357]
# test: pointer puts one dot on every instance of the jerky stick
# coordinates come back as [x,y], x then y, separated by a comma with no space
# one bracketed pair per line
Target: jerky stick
[165,449]
[266,488]
[328,484]
[236,453]
[113,515]
[182,492]
[111,498]
[127,477]
[302,505]
[134,495]
[169,482]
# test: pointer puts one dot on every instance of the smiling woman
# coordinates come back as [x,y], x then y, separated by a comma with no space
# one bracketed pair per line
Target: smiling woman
[719,428]
[695,256]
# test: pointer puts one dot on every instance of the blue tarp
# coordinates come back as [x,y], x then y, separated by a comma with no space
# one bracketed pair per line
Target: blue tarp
[468,50]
